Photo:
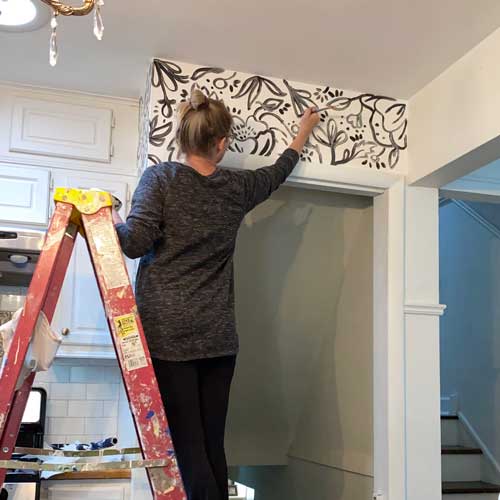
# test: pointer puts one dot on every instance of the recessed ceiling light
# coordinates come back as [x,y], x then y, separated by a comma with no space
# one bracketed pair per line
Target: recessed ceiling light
[22,15]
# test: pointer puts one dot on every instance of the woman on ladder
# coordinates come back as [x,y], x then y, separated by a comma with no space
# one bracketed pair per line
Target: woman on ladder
[183,224]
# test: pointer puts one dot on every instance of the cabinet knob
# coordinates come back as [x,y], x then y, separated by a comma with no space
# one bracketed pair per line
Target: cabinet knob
[65,332]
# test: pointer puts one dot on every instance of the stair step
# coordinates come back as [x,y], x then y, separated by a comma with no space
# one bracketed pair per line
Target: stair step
[460,450]
[457,487]
[450,432]
[460,467]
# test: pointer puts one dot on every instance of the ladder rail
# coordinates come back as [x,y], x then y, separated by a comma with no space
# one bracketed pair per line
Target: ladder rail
[8,436]
[37,293]
[140,382]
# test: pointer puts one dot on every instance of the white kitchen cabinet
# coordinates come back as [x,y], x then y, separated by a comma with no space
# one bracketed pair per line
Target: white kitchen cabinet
[52,128]
[80,309]
[86,490]
[25,194]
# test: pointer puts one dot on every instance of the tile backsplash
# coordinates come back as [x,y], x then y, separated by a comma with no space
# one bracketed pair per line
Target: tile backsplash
[83,398]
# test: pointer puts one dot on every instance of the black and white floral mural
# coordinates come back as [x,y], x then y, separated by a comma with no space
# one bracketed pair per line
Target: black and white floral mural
[356,129]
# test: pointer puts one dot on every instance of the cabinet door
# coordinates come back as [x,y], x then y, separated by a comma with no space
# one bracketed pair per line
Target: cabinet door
[80,309]
[88,490]
[25,194]
[63,129]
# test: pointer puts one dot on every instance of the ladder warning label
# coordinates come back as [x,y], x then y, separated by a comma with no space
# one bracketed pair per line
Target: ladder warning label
[112,267]
[129,338]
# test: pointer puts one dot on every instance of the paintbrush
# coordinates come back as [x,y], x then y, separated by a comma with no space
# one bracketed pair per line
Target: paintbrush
[319,110]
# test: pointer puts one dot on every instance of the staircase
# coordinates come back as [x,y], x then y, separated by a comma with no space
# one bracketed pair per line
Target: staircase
[461,465]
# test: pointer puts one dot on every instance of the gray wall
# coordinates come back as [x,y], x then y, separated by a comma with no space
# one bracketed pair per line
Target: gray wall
[302,394]
[470,329]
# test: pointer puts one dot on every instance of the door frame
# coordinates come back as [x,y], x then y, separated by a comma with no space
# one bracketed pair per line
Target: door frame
[388,191]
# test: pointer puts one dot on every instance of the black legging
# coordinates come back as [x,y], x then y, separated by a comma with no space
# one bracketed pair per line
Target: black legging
[195,395]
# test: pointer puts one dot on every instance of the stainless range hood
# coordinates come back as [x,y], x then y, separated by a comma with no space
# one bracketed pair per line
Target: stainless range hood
[19,252]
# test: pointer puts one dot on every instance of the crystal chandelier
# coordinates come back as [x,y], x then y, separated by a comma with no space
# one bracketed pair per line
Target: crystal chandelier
[59,8]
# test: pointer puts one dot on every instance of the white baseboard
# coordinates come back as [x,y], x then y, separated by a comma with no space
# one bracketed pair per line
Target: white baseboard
[486,452]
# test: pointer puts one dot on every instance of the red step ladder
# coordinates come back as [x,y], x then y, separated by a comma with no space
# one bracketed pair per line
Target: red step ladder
[89,213]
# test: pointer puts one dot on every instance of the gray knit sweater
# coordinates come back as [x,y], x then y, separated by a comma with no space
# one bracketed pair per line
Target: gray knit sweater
[183,225]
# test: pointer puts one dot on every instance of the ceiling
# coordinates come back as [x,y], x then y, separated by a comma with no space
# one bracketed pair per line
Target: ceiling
[392,47]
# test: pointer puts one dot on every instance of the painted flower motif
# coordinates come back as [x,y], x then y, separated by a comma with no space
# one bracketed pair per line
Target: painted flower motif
[252,136]
[325,94]
[309,152]
[249,129]
[374,155]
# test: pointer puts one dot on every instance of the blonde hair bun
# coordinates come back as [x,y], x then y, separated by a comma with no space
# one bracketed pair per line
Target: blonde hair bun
[198,132]
[198,99]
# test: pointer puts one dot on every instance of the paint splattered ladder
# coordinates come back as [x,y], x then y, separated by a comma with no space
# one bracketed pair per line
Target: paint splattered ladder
[89,213]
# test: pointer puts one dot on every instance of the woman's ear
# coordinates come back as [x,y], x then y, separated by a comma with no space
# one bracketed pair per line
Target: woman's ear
[221,145]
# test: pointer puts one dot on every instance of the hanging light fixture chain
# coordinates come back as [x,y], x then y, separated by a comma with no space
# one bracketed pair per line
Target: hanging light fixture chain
[68,10]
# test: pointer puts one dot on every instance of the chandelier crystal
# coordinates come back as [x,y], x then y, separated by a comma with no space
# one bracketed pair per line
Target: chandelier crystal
[60,8]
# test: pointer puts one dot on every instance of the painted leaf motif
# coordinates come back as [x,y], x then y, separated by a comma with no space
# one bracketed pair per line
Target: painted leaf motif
[301,99]
[201,72]
[154,160]
[340,103]
[393,157]
[272,104]
[158,134]
[272,87]
[341,138]
[249,87]
[319,135]
[253,86]
[167,75]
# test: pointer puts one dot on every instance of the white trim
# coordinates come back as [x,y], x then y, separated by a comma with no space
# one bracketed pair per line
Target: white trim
[487,453]
[352,180]
[425,309]
[55,92]
[66,164]
[478,217]
[389,449]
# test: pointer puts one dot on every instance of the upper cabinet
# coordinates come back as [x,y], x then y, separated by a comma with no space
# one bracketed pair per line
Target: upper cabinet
[61,129]
[25,194]
[68,130]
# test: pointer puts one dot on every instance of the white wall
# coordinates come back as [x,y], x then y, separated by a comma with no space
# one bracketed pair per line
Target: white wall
[455,114]
[470,331]
[303,387]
